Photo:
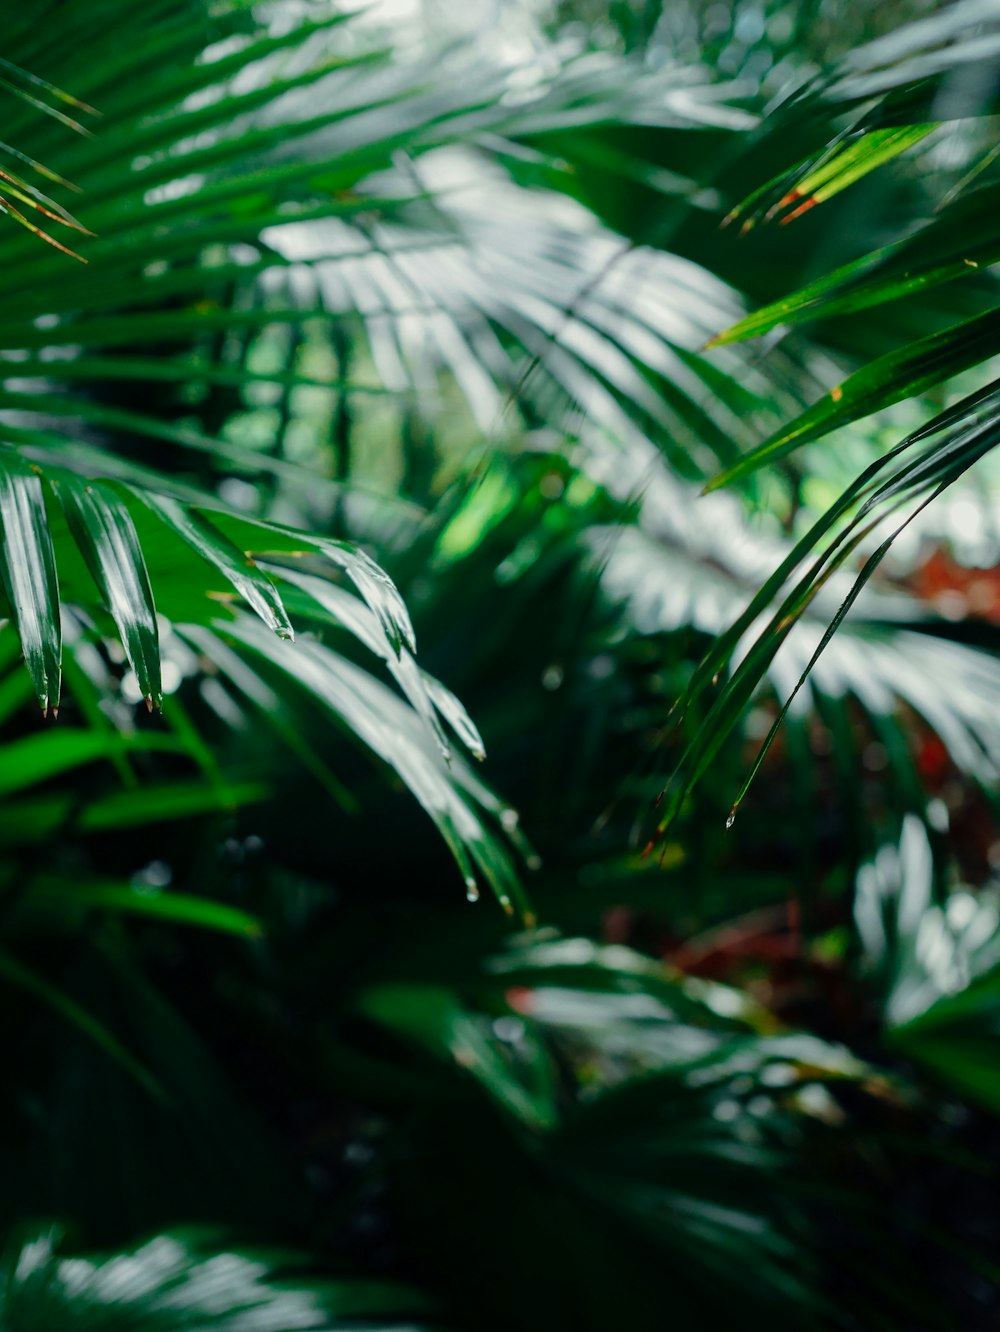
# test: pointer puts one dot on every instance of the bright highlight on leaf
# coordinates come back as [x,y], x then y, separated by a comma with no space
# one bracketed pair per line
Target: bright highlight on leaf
[106,536]
[253,585]
[27,565]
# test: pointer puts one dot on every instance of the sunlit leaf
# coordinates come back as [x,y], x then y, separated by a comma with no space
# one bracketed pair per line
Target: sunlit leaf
[106,536]
[238,568]
[27,565]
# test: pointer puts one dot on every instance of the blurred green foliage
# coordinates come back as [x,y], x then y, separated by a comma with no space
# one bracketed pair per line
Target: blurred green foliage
[363,435]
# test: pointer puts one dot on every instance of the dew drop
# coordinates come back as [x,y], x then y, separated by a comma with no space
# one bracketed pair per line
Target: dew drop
[732,818]
[471,890]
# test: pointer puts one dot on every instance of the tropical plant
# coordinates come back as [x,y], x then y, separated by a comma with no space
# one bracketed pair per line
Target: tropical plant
[359,335]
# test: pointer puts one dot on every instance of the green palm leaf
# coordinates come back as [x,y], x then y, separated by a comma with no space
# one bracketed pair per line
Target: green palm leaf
[960,437]
[29,576]
[104,532]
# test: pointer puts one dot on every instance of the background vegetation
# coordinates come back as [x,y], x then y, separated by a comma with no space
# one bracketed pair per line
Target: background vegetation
[637,363]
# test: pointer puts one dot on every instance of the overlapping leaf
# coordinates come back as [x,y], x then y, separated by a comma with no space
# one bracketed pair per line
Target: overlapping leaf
[105,534]
[958,438]
[938,958]
[476,826]
[956,243]
[29,576]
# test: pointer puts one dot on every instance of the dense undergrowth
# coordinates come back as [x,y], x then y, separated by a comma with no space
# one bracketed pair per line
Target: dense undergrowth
[552,882]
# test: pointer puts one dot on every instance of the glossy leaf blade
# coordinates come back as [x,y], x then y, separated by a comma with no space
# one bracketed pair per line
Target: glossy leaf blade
[360,620]
[942,253]
[377,589]
[451,794]
[253,585]
[892,378]
[28,568]
[104,531]
[453,711]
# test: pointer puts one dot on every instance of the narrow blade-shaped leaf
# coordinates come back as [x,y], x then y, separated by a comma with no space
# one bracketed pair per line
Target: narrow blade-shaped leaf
[812,181]
[253,585]
[454,713]
[104,531]
[450,794]
[42,755]
[360,620]
[177,908]
[28,567]
[958,243]
[892,378]
[377,589]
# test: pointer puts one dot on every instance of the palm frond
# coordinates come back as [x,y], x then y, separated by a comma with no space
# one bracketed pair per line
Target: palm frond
[475,825]
[688,563]
[894,91]
[900,74]
[184,1281]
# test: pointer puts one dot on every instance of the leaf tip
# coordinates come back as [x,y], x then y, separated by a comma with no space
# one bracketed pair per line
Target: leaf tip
[811,202]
